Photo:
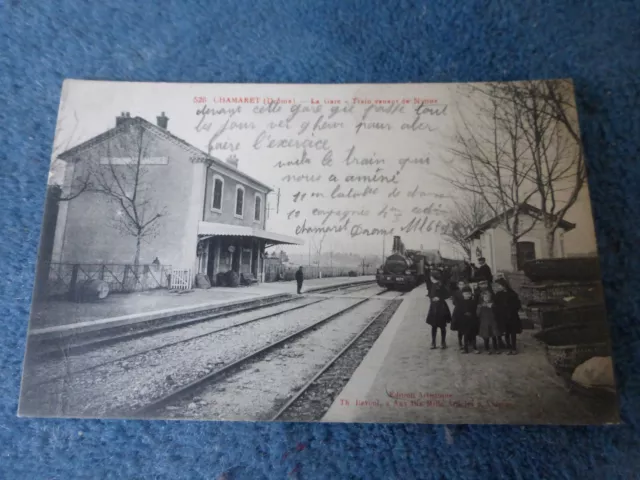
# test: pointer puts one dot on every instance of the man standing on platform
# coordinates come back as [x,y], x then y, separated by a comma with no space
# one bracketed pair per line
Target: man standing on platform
[428,268]
[299,279]
[483,272]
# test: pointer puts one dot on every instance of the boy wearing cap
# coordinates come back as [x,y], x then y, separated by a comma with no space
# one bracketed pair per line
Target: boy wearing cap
[439,314]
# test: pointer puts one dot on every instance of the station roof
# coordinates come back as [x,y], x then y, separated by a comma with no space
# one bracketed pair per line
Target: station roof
[524,208]
[211,229]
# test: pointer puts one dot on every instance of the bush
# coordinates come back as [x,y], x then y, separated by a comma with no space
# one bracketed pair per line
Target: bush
[353,273]
[202,281]
[232,279]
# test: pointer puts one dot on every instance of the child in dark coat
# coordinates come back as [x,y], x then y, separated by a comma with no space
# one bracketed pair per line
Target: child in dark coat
[507,306]
[458,300]
[439,314]
[482,286]
[485,286]
[487,319]
[467,321]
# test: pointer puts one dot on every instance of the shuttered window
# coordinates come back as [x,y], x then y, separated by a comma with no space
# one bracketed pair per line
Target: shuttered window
[216,197]
[257,208]
[239,201]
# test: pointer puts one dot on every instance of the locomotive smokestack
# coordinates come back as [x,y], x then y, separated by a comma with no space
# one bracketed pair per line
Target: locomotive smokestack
[397,244]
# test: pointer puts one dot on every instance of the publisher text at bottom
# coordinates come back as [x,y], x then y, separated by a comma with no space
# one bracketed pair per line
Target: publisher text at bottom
[423,403]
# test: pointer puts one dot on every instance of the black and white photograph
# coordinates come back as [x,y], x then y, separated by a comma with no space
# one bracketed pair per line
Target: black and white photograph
[402,253]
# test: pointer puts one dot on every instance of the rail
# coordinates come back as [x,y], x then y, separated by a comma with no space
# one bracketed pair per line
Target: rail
[166,345]
[155,405]
[307,385]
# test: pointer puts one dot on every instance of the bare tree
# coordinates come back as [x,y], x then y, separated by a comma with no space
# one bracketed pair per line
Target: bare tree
[66,136]
[283,256]
[317,247]
[524,147]
[491,160]
[465,215]
[547,111]
[123,178]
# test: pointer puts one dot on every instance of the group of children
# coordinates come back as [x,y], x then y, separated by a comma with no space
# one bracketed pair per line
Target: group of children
[491,312]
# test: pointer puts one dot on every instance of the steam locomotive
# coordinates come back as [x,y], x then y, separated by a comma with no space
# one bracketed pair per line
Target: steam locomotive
[406,269]
[399,272]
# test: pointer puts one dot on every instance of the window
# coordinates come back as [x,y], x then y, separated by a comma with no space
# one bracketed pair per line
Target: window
[257,211]
[239,201]
[216,194]
[526,251]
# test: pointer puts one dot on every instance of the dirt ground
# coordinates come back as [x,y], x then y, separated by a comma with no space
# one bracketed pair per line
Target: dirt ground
[418,385]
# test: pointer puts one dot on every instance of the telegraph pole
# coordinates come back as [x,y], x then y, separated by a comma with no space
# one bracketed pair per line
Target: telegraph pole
[364,264]
[269,208]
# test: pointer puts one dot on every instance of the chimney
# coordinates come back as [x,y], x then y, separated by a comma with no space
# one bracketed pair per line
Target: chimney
[397,245]
[163,120]
[120,119]
[233,161]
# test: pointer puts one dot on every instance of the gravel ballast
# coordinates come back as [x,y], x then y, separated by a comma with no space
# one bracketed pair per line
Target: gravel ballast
[65,365]
[316,400]
[131,383]
[263,385]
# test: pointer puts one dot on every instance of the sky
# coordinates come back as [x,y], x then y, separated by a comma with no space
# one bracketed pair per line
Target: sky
[311,151]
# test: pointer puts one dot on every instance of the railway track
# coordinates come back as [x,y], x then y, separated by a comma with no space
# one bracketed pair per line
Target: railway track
[152,408]
[171,344]
[391,294]
[138,375]
[344,289]
[78,349]
[123,384]
[284,409]
[62,348]
[385,293]
[93,340]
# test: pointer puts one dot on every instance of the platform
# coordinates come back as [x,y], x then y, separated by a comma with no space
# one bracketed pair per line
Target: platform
[401,380]
[58,317]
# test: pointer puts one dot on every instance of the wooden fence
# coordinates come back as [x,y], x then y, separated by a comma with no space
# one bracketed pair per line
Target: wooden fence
[181,279]
[64,278]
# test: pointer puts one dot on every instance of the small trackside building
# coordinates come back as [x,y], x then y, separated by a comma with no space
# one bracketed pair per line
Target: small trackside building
[492,240]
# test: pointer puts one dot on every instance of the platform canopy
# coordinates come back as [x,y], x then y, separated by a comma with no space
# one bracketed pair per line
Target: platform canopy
[210,229]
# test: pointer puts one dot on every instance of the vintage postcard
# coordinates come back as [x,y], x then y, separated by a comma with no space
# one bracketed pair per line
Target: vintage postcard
[420,253]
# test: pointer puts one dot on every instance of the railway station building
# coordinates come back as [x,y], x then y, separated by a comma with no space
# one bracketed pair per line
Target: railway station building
[147,194]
